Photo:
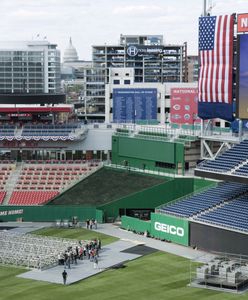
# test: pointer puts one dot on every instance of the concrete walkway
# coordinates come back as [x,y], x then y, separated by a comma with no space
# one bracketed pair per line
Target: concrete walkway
[187,252]
[25,227]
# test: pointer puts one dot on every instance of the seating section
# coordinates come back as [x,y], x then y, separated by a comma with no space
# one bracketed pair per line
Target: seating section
[228,160]
[6,168]
[5,172]
[202,201]
[33,251]
[49,130]
[39,183]
[7,130]
[232,215]
[31,197]
[2,196]
[243,170]
[62,162]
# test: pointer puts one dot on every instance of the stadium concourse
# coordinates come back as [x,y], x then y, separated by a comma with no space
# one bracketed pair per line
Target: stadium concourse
[114,255]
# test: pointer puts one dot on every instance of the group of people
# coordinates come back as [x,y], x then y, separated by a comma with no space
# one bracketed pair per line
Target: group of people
[89,250]
[90,223]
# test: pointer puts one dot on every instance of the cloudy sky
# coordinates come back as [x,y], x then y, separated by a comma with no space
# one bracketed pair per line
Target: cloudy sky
[95,22]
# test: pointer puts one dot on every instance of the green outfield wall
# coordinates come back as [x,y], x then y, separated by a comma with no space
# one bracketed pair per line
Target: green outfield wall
[148,154]
[135,224]
[163,227]
[150,197]
[48,213]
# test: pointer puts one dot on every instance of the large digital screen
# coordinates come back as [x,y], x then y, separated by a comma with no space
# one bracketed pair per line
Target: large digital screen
[133,105]
[184,105]
[242,86]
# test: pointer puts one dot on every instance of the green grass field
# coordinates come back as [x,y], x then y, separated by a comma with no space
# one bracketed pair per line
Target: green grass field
[156,276]
[78,234]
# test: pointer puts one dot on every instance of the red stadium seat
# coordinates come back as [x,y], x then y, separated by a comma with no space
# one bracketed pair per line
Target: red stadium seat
[31,197]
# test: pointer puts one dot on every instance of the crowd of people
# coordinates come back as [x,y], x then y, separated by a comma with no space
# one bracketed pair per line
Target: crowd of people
[89,250]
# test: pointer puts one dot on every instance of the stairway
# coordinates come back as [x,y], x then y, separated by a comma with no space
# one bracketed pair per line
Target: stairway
[11,183]
[18,131]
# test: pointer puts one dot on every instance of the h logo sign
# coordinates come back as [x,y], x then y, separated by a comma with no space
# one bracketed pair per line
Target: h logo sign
[132,51]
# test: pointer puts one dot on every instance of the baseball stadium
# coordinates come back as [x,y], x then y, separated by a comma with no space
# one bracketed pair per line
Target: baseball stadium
[88,208]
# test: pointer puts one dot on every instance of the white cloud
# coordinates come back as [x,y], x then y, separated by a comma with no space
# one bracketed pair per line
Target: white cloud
[137,10]
[102,21]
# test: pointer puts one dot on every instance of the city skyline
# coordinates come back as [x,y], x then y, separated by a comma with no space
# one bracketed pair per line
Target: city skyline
[99,22]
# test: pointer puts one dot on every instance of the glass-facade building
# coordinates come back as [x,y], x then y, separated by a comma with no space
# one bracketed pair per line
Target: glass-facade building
[29,67]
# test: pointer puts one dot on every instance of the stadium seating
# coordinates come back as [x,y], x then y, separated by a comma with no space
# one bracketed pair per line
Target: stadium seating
[203,201]
[232,215]
[7,130]
[6,168]
[2,196]
[39,183]
[31,197]
[227,161]
[38,252]
[49,130]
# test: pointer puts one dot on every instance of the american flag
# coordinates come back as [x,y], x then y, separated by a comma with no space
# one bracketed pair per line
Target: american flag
[216,59]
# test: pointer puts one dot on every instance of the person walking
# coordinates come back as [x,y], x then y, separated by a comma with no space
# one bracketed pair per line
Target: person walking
[64,275]
[95,262]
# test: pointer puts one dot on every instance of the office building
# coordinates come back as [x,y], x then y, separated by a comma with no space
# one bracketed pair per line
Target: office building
[31,67]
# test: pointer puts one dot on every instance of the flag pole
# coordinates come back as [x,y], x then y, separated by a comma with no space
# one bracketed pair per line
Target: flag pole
[204,8]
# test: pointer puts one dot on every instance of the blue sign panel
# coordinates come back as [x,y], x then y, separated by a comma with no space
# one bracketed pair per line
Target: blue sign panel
[133,105]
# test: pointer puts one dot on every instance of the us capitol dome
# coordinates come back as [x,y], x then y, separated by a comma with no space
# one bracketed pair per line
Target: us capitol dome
[70,53]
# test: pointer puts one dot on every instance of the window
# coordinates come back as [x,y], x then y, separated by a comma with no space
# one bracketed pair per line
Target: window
[116,74]
[126,81]
[116,81]
[161,164]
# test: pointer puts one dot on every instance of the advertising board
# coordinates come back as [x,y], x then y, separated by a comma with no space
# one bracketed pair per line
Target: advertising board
[184,105]
[242,23]
[170,228]
[145,50]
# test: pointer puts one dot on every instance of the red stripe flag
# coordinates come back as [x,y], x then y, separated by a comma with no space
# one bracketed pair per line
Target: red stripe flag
[216,59]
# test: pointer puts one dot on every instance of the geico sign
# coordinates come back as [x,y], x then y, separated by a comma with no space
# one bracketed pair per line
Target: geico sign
[179,231]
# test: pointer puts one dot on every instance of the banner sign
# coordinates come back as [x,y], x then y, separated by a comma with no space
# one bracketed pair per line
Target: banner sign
[242,82]
[140,51]
[170,228]
[243,23]
[132,105]
[184,106]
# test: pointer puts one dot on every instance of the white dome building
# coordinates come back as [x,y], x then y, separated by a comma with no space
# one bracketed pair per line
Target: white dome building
[70,53]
